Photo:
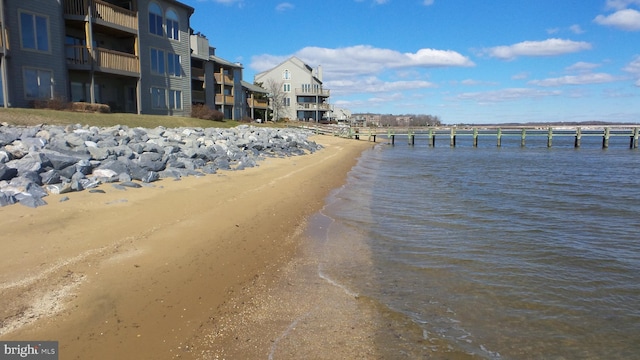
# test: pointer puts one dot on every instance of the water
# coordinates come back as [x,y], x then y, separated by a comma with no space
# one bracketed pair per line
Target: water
[493,253]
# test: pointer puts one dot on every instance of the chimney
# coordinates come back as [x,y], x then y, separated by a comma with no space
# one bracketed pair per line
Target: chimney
[319,71]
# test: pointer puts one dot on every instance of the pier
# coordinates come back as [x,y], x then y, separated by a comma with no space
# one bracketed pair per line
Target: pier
[491,134]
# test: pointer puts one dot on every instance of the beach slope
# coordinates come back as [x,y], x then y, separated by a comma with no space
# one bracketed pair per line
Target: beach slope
[142,273]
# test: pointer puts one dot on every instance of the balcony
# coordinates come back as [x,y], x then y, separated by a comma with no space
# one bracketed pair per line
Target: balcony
[224,99]
[258,104]
[197,73]
[106,60]
[197,96]
[313,106]
[102,13]
[316,92]
[226,78]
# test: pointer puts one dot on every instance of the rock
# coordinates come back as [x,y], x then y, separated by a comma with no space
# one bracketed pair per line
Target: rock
[50,177]
[7,173]
[40,160]
[130,184]
[6,199]
[29,201]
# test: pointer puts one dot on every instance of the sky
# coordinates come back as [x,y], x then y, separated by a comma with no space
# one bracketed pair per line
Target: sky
[465,61]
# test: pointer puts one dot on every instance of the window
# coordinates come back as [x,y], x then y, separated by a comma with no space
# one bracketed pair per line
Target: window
[287,87]
[175,99]
[34,32]
[157,61]
[81,92]
[286,75]
[287,101]
[38,84]
[173,25]
[158,98]
[173,65]
[155,19]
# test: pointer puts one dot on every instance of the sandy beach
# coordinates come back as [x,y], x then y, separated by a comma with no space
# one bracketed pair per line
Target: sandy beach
[201,268]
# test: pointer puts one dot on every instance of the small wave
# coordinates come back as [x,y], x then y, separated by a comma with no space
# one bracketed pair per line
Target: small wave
[334,283]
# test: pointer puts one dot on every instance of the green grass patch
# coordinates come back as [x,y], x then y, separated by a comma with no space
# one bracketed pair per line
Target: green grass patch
[32,117]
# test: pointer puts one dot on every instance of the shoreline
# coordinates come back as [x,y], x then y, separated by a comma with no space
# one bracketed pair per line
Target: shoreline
[140,273]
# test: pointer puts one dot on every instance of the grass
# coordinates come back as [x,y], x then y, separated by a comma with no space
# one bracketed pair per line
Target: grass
[32,117]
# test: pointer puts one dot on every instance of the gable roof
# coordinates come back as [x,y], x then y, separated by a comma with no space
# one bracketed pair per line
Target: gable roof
[253,88]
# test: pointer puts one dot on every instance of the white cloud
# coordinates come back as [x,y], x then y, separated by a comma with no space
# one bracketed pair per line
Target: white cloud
[549,47]
[520,76]
[229,2]
[365,60]
[373,84]
[284,6]
[634,68]
[621,4]
[576,29]
[427,2]
[583,79]
[510,94]
[472,82]
[626,19]
[582,66]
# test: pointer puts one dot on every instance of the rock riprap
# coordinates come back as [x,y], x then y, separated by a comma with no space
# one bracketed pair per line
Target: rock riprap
[36,161]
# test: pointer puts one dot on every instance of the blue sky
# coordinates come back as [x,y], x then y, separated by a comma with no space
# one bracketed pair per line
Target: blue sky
[466,61]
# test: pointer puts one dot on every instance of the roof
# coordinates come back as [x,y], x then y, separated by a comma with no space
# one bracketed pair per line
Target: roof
[222,61]
[253,88]
[295,61]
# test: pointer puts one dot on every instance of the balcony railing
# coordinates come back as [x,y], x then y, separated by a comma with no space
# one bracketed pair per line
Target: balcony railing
[319,92]
[198,96]
[260,104]
[226,78]
[117,60]
[197,73]
[224,99]
[313,106]
[105,59]
[104,11]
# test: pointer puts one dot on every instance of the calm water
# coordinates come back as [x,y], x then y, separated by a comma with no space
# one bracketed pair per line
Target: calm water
[493,253]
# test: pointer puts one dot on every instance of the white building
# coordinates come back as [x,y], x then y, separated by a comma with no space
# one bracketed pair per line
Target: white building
[302,96]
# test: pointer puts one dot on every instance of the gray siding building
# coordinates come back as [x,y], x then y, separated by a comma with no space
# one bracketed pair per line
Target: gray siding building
[300,90]
[132,55]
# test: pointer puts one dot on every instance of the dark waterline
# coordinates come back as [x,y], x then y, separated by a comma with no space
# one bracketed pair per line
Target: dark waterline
[500,253]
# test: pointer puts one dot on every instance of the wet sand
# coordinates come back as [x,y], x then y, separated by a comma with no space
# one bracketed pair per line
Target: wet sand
[192,269]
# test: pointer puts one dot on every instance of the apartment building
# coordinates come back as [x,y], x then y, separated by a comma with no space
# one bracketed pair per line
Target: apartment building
[299,89]
[133,55]
[215,82]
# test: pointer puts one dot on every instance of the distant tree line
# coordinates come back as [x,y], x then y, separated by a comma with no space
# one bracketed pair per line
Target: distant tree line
[410,120]
[399,120]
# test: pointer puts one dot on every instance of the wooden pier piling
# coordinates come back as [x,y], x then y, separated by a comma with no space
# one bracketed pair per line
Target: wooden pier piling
[606,133]
[452,141]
